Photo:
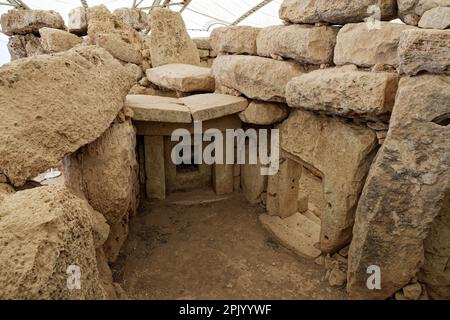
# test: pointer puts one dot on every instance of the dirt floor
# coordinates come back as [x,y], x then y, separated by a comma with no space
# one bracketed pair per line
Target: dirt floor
[216,249]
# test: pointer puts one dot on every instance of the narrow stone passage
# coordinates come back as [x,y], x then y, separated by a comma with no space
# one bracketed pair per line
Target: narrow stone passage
[212,250]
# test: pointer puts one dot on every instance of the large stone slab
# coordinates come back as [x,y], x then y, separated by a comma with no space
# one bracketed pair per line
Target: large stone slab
[436,18]
[105,171]
[115,35]
[136,18]
[210,106]
[255,77]
[43,232]
[158,109]
[358,45]
[30,21]
[342,161]
[304,43]
[406,189]
[345,92]
[424,50]
[55,40]
[170,42]
[297,233]
[410,11]
[71,99]
[235,39]
[182,77]
[264,113]
[335,12]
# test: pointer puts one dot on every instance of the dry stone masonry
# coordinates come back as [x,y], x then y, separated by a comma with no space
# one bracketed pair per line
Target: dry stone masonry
[363,113]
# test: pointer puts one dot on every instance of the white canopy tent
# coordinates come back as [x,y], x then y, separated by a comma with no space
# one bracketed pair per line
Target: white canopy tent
[201,16]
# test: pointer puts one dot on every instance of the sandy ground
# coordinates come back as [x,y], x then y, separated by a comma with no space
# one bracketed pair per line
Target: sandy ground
[212,250]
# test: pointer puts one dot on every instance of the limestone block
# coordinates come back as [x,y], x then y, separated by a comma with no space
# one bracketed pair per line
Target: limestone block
[210,106]
[253,183]
[78,21]
[5,189]
[410,11]
[306,137]
[358,45]
[137,19]
[235,39]
[30,21]
[424,50]
[436,18]
[55,40]
[203,43]
[158,109]
[81,90]
[303,43]
[345,92]
[24,46]
[170,42]
[255,77]
[44,231]
[155,167]
[407,188]
[264,113]
[182,77]
[117,236]
[335,12]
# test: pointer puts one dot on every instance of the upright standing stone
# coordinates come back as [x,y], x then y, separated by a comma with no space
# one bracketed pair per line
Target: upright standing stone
[407,187]
[170,42]
[155,167]
[78,21]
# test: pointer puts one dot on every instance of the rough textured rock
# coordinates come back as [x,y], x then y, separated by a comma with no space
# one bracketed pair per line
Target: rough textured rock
[436,18]
[304,43]
[170,42]
[334,12]
[366,48]
[78,21]
[264,113]
[424,50]
[182,77]
[44,231]
[30,21]
[255,77]
[55,40]
[158,109]
[235,39]
[24,46]
[407,187]
[345,91]
[115,35]
[210,106]
[117,237]
[410,11]
[106,172]
[5,190]
[72,98]
[203,43]
[307,137]
[137,19]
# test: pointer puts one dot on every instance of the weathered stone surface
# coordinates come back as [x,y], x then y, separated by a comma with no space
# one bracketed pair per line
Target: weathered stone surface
[117,237]
[72,98]
[203,43]
[253,183]
[30,21]
[235,39]
[107,172]
[345,92]
[304,43]
[436,18]
[424,50]
[256,77]
[358,45]
[55,40]
[137,19]
[210,106]
[5,190]
[182,77]
[407,187]
[24,46]
[170,42]
[44,231]
[115,35]
[264,113]
[410,11]
[297,233]
[158,109]
[307,138]
[78,21]
[334,12]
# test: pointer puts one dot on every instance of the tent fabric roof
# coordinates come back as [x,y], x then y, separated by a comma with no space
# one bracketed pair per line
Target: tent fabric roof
[201,16]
